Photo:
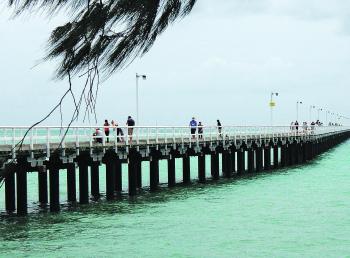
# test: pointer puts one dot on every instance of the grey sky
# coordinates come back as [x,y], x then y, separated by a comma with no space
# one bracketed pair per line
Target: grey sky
[222,61]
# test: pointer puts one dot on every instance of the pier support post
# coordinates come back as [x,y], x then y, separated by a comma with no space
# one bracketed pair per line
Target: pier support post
[10,190]
[214,165]
[259,158]
[83,163]
[292,153]
[110,179]
[71,183]
[171,171]
[304,152]
[275,157]
[54,188]
[201,167]
[110,159]
[240,161]
[139,173]
[229,164]
[283,155]
[251,160]
[154,172]
[42,186]
[118,176]
[267,157]
[226,163]
[95,179]
[233,159]
[186,169]
[298,153]
[21,180]
[132,171]
[309,150]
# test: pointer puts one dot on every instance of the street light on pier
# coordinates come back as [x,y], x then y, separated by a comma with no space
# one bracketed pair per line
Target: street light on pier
[318,113]
[327,112]
[272,105]
[144,77]
[310,112]
[298,103]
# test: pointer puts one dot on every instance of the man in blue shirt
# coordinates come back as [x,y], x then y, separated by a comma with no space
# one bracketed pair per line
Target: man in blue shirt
[193,126]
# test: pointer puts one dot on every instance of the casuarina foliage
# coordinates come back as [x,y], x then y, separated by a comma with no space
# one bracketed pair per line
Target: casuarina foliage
[107,34]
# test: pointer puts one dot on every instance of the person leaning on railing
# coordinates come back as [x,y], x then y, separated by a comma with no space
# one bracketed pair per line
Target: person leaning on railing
[98,135]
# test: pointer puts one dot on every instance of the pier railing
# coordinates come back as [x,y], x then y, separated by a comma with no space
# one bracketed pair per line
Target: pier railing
[56,135]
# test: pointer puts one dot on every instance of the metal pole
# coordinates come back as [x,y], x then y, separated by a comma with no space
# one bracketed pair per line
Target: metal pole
[137,98]
[310,114]
[271,110]
[297,111]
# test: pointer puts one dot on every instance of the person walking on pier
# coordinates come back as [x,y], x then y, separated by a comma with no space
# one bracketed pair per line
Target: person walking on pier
[118,131]
[219,128]
[193,126]
[296,125]
[106,127]
[200,130]
[130,123]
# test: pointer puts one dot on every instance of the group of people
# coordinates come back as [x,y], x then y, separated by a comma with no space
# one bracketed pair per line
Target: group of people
[194,126]
[113,126]
[305,127]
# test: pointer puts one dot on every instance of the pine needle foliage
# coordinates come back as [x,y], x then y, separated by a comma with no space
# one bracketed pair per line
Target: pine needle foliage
[108,34]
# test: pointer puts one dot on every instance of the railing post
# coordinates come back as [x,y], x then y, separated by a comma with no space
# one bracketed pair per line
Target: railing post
[48,142]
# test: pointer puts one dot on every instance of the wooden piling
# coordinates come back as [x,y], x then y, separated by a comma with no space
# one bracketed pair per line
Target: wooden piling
[42,186]
[95,179]
[240,161]
[283,155]
[201,167]
[259,158]
[71,183]
[110,179]
[171,171]
[10,190]
[275,156]
[54,188]
[214,165]
[132,171]
[83,182]
[251,160]
[267,157]
[118,176]
[154,172]
[186,169]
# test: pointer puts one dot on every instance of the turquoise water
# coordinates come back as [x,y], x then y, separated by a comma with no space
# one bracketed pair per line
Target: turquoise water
[301,211]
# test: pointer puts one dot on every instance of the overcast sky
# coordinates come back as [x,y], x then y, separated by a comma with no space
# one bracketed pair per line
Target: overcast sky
[222,61]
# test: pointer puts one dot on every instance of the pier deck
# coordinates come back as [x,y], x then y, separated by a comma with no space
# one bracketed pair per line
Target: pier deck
[242,149]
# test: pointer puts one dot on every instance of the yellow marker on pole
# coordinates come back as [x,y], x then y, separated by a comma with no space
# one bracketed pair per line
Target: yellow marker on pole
[272,104]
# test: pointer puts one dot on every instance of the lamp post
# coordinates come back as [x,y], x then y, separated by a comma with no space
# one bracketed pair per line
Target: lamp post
[310,112]
[327,112]
[298,103]
[318,113]
[272,105]
[144,77]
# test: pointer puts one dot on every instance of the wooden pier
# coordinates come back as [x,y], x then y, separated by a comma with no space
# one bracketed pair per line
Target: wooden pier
[242,150]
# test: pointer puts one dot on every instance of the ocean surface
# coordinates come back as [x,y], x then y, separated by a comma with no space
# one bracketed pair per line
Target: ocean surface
[302,211]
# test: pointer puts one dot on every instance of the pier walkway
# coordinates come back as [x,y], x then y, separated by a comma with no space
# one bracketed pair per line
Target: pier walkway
[51,150]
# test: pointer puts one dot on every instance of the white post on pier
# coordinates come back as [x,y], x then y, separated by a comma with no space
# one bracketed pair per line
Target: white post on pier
[298,103]
[272,104]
